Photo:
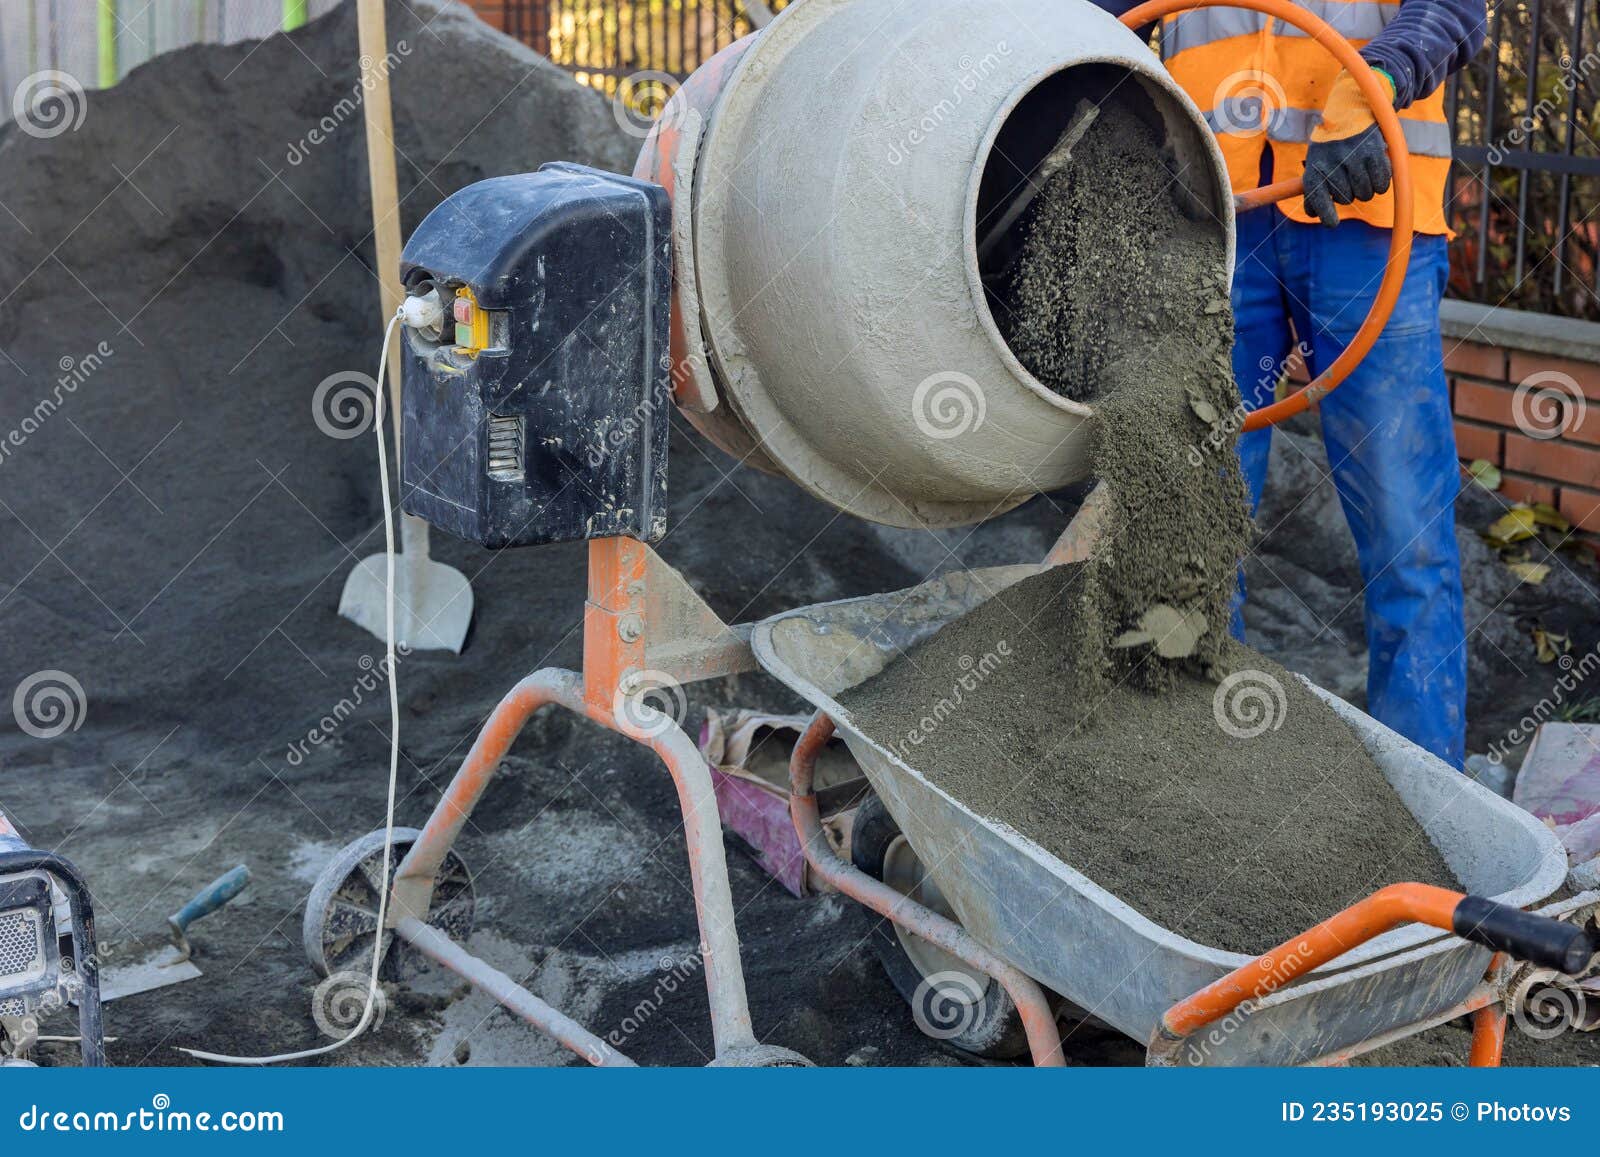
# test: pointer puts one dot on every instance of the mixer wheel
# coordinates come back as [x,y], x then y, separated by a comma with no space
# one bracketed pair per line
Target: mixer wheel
[341,920]
[949,1000]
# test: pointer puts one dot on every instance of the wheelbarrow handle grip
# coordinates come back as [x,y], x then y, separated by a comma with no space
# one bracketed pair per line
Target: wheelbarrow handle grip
[1538,939]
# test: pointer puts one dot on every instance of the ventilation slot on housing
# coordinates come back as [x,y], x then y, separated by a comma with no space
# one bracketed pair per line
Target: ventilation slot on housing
[505,447]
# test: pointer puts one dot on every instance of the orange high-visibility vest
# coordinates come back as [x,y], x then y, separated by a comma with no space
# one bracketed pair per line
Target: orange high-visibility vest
[1258,81]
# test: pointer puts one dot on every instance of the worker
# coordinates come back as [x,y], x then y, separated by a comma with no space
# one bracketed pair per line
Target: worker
[1305,275]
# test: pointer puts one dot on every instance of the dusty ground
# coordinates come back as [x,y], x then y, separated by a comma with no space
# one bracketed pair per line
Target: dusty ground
[175,529]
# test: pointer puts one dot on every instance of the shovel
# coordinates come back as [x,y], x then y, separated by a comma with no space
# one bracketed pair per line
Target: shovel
[433,602]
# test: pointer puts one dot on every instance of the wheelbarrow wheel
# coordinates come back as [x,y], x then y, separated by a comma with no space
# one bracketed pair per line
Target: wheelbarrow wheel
[949,1000]
[341,920]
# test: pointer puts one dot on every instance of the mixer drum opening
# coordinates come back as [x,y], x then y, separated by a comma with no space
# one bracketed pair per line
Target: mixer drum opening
[1047,138]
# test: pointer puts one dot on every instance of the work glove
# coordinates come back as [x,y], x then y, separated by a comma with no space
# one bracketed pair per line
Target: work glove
[1347,159]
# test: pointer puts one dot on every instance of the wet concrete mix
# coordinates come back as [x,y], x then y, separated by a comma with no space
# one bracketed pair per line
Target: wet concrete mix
[1236,811]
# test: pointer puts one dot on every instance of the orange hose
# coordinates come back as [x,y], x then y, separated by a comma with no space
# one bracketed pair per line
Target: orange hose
[1400,236]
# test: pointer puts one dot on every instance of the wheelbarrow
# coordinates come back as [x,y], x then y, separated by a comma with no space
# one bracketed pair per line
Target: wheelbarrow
[1407,958]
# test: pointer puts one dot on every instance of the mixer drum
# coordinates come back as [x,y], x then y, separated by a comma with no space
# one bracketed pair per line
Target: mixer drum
[831,176]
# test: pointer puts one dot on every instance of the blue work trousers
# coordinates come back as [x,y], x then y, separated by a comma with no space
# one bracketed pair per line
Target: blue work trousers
[1390,442]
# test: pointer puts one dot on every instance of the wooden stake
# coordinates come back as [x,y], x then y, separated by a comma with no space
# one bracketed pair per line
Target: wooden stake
[379,116]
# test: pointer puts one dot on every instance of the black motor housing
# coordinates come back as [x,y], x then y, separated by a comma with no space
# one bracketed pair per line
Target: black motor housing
[545,418]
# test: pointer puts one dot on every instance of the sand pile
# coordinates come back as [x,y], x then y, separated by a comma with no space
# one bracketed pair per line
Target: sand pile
[198,252]
[1105,734]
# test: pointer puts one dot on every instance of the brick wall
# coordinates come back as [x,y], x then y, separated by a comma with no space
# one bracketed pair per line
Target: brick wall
[1489,354]
[1492,423]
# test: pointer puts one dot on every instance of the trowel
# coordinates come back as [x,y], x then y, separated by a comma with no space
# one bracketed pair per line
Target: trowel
[174,964]
[433,602]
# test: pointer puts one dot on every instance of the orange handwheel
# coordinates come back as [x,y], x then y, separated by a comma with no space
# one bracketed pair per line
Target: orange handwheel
[1400,236]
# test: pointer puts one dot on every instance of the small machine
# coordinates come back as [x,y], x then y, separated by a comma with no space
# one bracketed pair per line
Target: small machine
[47,946]
[537,379]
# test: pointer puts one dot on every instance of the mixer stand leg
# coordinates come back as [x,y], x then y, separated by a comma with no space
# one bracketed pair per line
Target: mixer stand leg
[735,1041]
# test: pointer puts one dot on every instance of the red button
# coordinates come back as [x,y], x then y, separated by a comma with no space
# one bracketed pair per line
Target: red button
[462,309]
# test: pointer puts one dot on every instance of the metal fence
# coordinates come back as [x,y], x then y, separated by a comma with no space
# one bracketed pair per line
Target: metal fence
[603,42]
[1525,190]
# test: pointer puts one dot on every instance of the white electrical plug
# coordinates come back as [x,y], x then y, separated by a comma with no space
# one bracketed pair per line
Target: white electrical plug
[424,312]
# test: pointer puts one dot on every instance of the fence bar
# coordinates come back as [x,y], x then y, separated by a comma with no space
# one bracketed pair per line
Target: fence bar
[1488,139]
[1536,22]
[106,30]
[1576,56]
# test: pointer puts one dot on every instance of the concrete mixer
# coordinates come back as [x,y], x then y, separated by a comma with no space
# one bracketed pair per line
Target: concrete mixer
[798,264]
[832,321]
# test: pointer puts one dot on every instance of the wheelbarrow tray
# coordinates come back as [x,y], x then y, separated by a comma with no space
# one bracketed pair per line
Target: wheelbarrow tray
[1078,939]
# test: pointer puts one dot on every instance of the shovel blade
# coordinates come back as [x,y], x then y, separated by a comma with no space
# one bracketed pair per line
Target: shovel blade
[433,602]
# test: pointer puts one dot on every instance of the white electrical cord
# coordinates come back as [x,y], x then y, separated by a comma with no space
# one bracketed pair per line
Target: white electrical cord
[394,746]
